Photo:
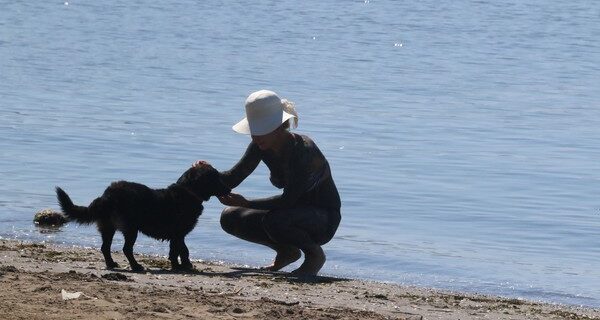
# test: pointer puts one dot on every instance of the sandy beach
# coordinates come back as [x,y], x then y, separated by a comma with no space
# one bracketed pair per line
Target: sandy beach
[34,275]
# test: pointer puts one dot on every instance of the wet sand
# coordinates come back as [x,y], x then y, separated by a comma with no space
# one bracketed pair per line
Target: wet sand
[33,275]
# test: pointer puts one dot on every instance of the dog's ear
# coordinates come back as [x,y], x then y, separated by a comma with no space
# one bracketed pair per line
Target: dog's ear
[191,176]
[212,185]
[195,180]
[204,181]
[184,178]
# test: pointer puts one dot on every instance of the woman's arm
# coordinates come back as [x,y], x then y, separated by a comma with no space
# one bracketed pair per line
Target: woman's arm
[245,166]
[307,169]
[286,200]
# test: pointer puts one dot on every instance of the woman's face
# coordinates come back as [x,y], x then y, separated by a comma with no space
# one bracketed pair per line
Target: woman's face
[267,141]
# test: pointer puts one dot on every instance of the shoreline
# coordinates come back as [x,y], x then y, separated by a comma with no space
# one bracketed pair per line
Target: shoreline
[33,275]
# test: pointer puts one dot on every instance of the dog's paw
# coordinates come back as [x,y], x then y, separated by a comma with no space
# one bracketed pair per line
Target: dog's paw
[176,267]
[112,265]
[182,267]
[187,266]
[137,268]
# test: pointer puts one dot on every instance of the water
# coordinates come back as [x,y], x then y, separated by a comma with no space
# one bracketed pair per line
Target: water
[462,134]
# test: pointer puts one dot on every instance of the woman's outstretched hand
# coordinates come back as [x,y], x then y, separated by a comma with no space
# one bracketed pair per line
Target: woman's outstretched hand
[200,163]
[233,200]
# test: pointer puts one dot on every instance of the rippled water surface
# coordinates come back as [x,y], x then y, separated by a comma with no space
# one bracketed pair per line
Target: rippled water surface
[463,135]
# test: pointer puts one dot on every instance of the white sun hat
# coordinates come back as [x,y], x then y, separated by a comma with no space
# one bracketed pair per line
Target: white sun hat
[265,112]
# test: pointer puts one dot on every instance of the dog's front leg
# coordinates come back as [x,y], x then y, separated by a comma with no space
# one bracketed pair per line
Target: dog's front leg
[180,250]
[130,237]
[174,254]
[184,253]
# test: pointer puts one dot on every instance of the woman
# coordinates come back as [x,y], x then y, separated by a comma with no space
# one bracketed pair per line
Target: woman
[306,215]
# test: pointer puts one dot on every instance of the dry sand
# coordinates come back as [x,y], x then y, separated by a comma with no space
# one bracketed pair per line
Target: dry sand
[32,277]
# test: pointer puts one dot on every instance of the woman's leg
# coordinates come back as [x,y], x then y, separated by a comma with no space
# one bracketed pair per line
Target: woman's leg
[247,224]
[304,227]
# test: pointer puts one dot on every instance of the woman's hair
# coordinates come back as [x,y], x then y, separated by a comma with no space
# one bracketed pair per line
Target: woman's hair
[290,107]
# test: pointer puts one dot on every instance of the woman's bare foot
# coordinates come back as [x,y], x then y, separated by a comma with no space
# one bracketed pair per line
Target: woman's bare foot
[314,259]
[284,258]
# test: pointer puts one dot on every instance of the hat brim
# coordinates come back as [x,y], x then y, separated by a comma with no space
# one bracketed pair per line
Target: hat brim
[243,126]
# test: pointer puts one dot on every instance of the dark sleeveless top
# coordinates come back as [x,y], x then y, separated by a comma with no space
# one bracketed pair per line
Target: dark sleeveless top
[301,170]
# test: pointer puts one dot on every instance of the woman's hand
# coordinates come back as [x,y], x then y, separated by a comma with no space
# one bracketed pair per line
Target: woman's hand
[233,200]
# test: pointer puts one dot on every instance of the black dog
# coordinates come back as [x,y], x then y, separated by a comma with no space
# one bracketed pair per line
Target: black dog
[164,214]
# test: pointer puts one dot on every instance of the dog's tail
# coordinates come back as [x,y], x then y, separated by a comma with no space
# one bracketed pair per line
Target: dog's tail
[75,213]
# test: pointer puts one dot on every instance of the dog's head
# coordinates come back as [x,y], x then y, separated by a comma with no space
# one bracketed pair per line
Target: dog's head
[204,181]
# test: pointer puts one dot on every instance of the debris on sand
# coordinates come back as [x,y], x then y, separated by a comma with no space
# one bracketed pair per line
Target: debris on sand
[116,277]
[49,217]
[6,269]
[284,303]
[66,295]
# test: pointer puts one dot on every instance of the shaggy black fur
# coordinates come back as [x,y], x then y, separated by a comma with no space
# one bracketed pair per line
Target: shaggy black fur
[164,214]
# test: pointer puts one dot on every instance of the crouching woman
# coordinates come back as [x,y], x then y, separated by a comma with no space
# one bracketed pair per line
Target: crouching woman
[307,214]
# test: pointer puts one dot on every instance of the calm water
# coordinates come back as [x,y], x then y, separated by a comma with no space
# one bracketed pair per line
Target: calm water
[463,135]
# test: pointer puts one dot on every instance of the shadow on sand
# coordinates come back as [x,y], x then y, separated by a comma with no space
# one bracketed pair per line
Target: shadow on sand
[239,272]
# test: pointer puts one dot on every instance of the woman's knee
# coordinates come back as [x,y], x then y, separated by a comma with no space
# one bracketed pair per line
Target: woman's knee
[230,218]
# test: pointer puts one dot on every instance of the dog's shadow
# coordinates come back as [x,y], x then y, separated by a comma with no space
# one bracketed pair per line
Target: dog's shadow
[239,272]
